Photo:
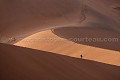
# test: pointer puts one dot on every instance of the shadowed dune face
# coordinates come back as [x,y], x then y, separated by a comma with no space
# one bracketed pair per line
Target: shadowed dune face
[93,36]
[27,17]
[18,63]
[18,17]
[47,8]
[27,9]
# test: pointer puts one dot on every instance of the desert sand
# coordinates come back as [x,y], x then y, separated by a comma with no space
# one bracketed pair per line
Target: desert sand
[17,63]
[23,20]
[50,42]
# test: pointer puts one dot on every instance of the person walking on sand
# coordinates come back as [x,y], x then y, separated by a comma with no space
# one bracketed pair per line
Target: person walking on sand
[81,56]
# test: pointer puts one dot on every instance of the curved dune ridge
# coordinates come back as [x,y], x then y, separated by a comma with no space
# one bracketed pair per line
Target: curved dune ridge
[17,63]
[25,17]
[105,38]
[45,26]
[22,18]
[48,41]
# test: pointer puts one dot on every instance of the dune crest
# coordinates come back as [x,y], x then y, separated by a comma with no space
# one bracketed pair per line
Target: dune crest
[48,41]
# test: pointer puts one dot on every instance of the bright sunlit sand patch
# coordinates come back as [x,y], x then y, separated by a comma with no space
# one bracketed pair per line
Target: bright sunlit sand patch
[47,41]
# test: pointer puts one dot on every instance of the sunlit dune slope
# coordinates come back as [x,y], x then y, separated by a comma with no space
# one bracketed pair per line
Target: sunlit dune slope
[17,63]
[48,41]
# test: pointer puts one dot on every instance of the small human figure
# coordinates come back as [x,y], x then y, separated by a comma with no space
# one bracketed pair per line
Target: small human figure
[81,56]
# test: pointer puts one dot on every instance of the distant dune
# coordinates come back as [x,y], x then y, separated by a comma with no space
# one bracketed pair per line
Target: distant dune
[22,18]
[17,63]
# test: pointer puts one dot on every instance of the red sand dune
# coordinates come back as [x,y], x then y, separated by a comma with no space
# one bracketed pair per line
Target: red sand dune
[17,63]
[21,18]
[48,41]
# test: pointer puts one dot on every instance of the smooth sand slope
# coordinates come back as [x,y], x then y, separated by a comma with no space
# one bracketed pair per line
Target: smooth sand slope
[21,18]
[48,41]
[17,63]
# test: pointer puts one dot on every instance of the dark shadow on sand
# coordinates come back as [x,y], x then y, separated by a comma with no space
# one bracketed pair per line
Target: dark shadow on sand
[17,63]
[97,34]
